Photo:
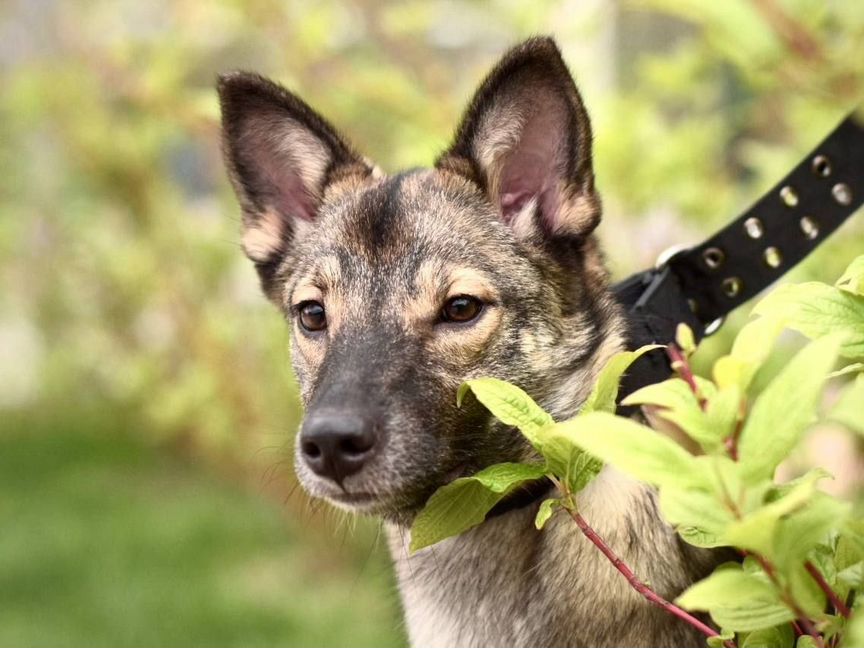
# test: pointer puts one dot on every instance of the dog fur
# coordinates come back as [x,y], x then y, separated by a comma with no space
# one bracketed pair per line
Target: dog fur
[507,216]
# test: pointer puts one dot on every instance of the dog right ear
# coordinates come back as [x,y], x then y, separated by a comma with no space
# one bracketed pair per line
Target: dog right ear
[525,140]
[281,156]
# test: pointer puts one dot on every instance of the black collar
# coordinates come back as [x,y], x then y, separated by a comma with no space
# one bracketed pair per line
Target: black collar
[700,285]
[525,494]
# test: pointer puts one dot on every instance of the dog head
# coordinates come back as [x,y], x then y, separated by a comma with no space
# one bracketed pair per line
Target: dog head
[399,288]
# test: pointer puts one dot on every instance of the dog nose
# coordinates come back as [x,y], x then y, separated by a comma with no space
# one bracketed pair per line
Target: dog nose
[337,444]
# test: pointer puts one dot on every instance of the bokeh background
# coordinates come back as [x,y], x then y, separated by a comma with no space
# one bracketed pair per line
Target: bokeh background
[146,401]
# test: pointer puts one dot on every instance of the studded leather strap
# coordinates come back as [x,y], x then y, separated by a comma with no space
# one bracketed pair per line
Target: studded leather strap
[782,228]
[700,285]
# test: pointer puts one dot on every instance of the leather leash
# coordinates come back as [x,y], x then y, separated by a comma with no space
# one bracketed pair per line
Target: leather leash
[700,285]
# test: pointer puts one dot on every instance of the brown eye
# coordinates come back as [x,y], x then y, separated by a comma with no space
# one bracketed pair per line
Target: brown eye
[462,308]
[312,316]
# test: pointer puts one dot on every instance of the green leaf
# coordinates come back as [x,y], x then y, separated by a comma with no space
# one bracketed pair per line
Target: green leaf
[729,585]
[547,508]
[602,398]
[729,370]
[749,351]
[812,476]
[855,367]
[634,448]
[854,635]
[464,503]
[822,557]
[817,310]
[684,339]
[804,589]
[806,641]
[754,616]
[724,479]
[679,405]
[568,461]
[672,393]
[698,516]
[737,600]
[718,640]
[848,551]
[850,544]
[755,531]
[722,412]
[853,279]
[849,409]
[853,576]
[508,404]
[785,409]
[780,636]
[800,532]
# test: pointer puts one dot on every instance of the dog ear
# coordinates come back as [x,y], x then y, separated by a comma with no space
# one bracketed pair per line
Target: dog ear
[525,139]
[281,156]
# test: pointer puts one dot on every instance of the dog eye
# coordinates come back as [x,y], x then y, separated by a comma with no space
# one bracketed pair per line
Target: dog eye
[312,316]
[462,308]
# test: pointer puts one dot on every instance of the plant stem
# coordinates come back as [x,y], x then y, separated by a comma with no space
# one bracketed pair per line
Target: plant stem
[839,605]
[805,622]
[732,441]
[637,584]
[682,368]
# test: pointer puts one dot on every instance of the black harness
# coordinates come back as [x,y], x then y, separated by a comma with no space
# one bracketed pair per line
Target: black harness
[700,285]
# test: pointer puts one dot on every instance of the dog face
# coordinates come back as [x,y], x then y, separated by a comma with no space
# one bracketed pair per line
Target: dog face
[399,288]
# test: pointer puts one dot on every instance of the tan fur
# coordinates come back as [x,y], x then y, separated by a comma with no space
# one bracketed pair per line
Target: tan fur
[263,237]
[303,151]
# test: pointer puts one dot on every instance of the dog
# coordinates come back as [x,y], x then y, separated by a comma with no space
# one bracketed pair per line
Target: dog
[397,289]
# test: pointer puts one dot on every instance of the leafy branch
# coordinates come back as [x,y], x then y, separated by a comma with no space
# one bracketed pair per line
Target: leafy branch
[803,568]
[626,571]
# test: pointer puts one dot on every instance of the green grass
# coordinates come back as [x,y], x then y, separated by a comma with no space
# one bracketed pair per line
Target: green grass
[106,542]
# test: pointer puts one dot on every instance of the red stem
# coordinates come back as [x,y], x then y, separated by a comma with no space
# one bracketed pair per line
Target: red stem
[638,585]
[839,605]
[802,618]
[732,441]
[682,368]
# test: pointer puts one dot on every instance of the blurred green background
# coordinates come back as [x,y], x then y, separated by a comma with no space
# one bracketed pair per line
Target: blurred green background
[146,401]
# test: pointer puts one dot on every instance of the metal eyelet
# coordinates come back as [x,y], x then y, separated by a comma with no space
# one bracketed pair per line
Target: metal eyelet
[732,286]
[821,166]
[773,257]
[789,196]
[842,193]
[713,327]
[810,227]
[754,228]
[713,257]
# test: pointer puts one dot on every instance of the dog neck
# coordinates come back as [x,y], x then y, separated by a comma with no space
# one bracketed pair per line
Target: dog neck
[505,583]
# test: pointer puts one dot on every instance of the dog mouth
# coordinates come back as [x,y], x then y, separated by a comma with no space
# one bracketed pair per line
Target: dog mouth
[397,503]
[360,498]
[363,502]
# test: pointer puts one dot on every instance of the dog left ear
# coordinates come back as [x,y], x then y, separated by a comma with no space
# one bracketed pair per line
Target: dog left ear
[525,139]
